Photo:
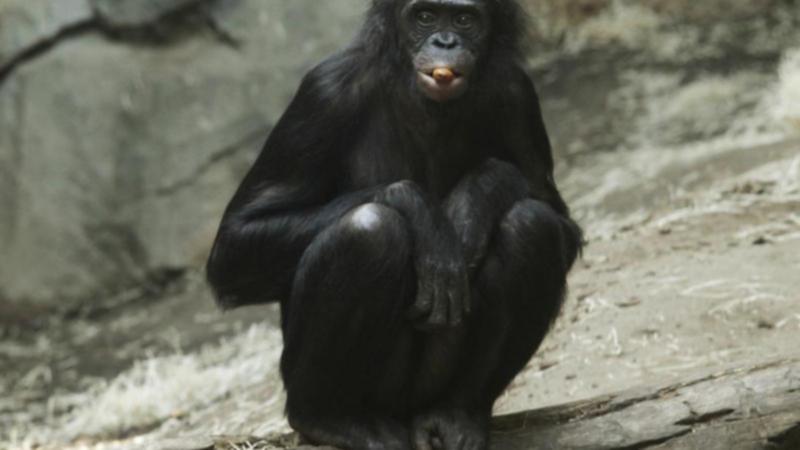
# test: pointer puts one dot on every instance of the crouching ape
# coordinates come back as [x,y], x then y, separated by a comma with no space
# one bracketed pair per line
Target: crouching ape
[404,214]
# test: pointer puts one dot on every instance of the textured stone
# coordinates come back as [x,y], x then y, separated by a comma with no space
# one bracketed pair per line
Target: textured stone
[25,24]
[137,13]
[116,159]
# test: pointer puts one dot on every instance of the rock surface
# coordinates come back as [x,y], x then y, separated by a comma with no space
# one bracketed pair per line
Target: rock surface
[140,12]
[126,125]
[26,24]
[118,155]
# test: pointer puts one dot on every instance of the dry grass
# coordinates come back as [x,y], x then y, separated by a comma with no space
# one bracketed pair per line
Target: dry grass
[157,390]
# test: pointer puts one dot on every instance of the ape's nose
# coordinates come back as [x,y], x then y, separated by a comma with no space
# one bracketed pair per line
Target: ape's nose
[445,40]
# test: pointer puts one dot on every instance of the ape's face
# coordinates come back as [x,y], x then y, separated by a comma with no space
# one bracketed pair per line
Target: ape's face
[445,39]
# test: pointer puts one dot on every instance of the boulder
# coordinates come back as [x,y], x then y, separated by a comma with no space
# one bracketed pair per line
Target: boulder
[138,13]
[117,158]
[28,24]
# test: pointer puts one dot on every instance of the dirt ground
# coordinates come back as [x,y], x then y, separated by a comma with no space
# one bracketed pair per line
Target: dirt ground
[710,278]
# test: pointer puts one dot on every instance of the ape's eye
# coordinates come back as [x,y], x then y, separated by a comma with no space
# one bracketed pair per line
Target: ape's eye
[465,20]
[426,17]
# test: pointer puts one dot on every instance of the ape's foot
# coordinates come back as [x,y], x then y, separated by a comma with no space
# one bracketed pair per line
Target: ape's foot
[450,430]
[371,434]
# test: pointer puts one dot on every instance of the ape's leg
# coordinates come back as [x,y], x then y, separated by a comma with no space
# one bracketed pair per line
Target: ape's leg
[256,252]
[519,290]
[521,255]
[521,284]
[347,350]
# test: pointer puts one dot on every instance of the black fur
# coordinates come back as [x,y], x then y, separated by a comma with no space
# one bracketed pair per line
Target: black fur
[419,250]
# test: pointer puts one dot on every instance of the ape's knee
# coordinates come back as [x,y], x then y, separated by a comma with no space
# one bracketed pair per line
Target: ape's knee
[367,218]
[375,221]
[533,219]
[376,229]
[406,188]
[534,224]
[494,168]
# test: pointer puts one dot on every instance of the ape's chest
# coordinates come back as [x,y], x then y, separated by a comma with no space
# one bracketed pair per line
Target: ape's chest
[434,159]
[435,168]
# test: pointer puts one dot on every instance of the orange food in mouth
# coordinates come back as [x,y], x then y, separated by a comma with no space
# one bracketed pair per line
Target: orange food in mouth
[443,75]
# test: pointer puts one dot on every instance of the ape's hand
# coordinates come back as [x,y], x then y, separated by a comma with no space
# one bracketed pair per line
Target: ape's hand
[443,293]
[479,202]
[473,234]
[442,297]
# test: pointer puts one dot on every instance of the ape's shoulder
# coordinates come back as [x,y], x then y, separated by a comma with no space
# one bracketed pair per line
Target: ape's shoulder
[519,83]
[335,77]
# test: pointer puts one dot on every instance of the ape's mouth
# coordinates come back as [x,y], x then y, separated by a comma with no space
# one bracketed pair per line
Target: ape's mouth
[442,83]
[442,75]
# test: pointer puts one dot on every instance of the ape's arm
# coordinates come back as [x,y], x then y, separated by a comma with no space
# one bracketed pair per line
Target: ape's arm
[442,285]
[529,144]
[479,202]
[530,147]
[482,198]
[287,198]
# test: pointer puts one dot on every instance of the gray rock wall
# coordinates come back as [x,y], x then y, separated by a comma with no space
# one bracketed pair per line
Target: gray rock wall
[125,126]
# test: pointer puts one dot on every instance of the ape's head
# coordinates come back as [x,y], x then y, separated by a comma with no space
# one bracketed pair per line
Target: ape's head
[445,39]
[448,44]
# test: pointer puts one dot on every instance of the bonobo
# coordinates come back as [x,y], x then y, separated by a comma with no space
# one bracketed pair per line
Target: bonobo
[404,214]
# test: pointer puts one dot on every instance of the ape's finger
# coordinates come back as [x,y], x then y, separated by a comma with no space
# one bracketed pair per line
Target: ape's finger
[422,445]
[423,303]
[456,302]
[438,316]
[419,309]
[467,297]
[422,441]
[422,437]
[477,255]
